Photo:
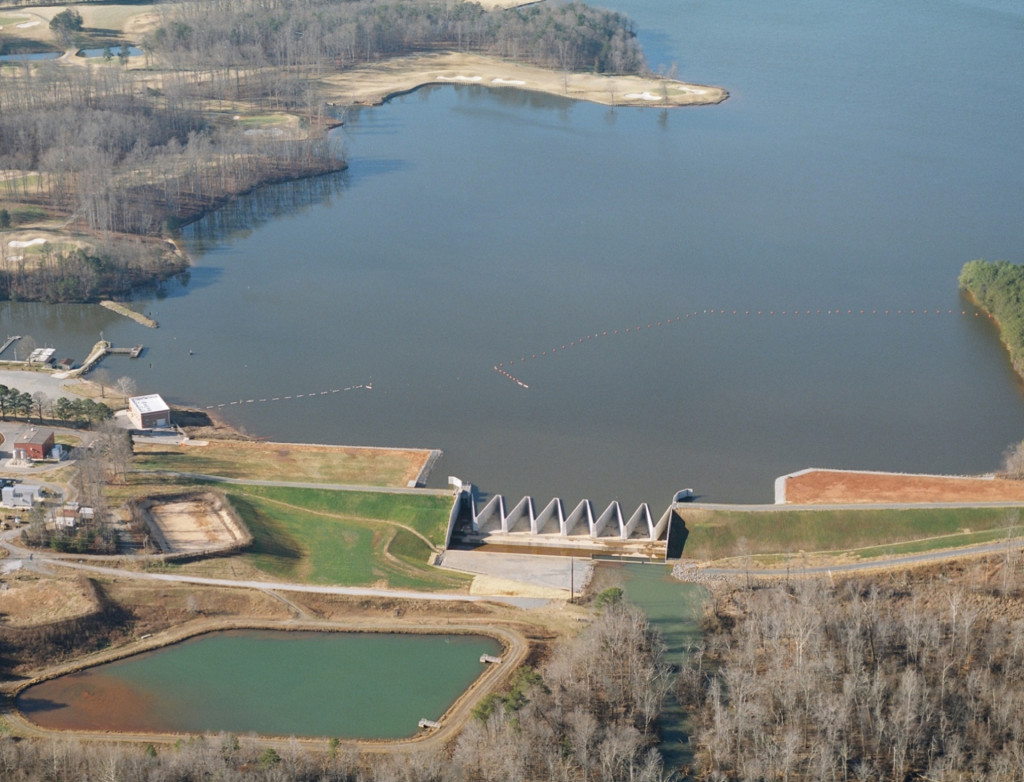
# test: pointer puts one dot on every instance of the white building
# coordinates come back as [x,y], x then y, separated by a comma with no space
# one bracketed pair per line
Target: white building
[149,412]
[21,495]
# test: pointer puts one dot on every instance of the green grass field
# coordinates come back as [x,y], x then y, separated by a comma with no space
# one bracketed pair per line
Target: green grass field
[864,533]
[345,538]
[427,514]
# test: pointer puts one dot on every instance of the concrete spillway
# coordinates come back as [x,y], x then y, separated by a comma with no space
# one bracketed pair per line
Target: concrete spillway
[554,520]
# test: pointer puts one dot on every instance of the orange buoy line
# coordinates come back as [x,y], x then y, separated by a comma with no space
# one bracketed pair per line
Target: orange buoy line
[288,397]
[513,378]
[769,313]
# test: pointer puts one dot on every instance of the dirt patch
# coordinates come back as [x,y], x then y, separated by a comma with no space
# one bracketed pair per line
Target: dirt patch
[27,600]
[192,524]
[829,487]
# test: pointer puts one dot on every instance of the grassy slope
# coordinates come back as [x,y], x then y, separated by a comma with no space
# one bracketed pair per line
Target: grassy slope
[348,538]
[722,534]
[365,467]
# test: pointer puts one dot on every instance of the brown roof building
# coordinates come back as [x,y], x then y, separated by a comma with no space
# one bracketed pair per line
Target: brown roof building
[35,443]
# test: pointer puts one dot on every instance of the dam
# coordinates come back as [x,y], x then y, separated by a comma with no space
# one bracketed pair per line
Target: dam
[585,526]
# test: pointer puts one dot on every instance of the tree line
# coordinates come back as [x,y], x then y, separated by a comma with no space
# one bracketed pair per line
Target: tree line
[999,288]
[22,404]
[320,34]
[107,269]
[883,679]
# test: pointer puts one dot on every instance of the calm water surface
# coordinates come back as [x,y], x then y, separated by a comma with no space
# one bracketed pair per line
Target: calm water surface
[354,685]
[868,150]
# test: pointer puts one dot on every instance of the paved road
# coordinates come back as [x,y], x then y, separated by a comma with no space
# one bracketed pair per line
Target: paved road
[42,560]
[32,382]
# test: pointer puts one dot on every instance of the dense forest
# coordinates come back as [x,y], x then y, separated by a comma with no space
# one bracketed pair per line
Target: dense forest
[588,714]
[120,155]
[321,34]
[999,288]
[882,679]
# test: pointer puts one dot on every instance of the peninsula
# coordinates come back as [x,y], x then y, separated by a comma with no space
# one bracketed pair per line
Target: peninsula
[106,157]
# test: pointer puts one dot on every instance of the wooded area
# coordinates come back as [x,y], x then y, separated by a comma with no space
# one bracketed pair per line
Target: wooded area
[870,679]
[999,288]
[319,34]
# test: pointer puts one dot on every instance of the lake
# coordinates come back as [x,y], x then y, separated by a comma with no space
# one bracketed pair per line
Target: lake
[343,685]
[866,152]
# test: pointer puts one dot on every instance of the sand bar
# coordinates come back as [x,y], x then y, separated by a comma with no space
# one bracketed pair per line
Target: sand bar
[371,85]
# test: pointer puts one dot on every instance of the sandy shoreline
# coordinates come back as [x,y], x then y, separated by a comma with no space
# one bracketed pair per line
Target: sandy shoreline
[371,85]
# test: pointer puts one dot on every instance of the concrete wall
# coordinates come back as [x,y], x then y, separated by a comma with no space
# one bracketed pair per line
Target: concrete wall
[495,517]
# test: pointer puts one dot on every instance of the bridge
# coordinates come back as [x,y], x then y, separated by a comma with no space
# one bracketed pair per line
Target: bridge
[524,523]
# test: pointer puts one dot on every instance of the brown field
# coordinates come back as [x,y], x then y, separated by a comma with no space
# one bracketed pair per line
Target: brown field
[288,462]
[834,487]
[27,599]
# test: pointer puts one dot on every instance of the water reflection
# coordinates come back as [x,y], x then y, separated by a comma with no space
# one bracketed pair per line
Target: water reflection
[112,51]
[242,215]
[30,56]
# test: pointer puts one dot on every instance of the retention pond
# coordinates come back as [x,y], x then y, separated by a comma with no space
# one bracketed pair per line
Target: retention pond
[306,684]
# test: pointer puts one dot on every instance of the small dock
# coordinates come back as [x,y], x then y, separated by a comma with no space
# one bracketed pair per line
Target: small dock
[133,352]
[425,723]
[489,658]
[10,341]
[101,349]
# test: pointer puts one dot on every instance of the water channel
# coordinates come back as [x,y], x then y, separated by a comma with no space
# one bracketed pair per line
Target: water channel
[674,608]
[344,685]
[866,152]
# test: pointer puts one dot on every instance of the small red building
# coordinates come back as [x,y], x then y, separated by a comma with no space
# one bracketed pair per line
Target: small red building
[36,443]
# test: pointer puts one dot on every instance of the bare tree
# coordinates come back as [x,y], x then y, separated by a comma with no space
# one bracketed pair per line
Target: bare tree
[115,445]
[41,401]
[911,677]
[126,387]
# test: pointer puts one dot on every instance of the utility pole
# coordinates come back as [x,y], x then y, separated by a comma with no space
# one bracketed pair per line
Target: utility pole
[572,578]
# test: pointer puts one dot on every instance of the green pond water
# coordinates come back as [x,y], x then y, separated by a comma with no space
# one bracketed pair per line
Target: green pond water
[674,608]
[348,685]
